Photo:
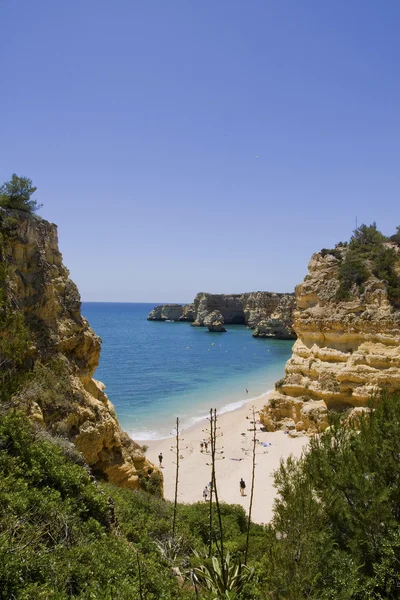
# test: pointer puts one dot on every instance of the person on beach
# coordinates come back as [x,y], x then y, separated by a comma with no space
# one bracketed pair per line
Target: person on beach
[247,391]
[242,486]
[205,493]
[160,459]
[201,445]
[206,445]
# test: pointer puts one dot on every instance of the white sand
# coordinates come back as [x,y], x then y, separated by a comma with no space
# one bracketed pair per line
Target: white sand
[195,472]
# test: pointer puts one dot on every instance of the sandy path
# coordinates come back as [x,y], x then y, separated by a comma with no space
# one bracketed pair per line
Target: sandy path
[194,472]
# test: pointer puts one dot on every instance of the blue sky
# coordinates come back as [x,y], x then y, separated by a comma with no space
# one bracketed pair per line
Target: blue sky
[189,146]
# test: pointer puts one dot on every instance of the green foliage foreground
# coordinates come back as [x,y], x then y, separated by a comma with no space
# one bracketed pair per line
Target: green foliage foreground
[335,532]
[63,535]
[337,519]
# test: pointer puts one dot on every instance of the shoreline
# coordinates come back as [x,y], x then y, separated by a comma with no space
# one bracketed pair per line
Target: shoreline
[235,461]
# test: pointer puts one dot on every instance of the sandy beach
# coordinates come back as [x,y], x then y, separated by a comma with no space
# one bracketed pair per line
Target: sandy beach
[235,444]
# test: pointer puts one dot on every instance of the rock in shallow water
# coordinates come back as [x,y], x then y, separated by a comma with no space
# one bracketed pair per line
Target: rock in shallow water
[215,322]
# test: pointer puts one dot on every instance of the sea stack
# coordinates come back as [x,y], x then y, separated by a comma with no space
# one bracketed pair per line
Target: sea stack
[215,322]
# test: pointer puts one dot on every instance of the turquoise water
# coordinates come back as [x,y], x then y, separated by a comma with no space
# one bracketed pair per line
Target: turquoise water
[156,371]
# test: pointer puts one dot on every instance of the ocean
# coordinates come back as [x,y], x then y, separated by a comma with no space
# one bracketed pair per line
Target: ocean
[157,371]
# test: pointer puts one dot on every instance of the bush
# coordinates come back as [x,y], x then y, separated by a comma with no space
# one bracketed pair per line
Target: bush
[396,237]
[366,239]
[337,518]
[367,254]
[333,252]
[353,271]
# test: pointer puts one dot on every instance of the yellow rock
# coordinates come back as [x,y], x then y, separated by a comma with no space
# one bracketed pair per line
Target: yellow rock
[345,351]
[51,303]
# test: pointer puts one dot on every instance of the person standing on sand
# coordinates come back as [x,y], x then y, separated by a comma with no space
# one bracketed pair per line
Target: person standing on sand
[205,493]
[242,486]
[206,445]
[201,445]
[160,458]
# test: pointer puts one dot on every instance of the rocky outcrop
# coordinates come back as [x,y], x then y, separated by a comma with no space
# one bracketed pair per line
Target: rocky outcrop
[166,312]
[64,350]
[215,322]
[280,323]
[229,306]
[270,311]
[172,312]
[346,349]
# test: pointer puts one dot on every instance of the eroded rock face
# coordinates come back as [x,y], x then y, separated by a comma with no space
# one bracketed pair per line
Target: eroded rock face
[166,312]
[40,288]
[172,312]
[215,322]
[271,314]
[345,350]
[280,323]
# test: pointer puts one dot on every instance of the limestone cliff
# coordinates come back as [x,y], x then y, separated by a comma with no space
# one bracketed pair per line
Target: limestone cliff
[348,342]
[269,313]
[63,352]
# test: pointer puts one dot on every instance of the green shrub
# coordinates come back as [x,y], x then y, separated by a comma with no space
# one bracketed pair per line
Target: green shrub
[337,518]
[396,237]
[352,271]
[367,254]
[333,252]
[366,239]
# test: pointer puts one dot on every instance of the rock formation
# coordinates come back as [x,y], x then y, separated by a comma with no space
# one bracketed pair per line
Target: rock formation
[166,312]
[215,322]
[280,323]
[270,311]
[65,349]
[347,347]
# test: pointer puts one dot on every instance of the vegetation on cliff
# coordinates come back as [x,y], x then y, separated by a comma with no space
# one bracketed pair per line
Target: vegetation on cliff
[368,253]
[17,193]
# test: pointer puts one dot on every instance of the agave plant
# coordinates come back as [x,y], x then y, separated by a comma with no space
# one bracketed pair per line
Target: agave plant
[170,548]
[224,583]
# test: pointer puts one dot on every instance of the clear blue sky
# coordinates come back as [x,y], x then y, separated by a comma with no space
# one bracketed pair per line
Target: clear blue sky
[186,146]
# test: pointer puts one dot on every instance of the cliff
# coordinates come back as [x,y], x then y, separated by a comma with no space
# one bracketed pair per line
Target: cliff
[348,336]
[268,313]
[58,352]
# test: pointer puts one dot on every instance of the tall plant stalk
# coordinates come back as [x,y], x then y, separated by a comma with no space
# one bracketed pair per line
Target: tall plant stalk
[220,547]
[212,485]
[252,485]
[176,477]
[140,576]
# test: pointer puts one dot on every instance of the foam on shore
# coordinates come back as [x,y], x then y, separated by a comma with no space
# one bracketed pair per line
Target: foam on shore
[154,435]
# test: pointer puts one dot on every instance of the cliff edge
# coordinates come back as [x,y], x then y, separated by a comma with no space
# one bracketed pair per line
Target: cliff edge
[348,334]
[57,353]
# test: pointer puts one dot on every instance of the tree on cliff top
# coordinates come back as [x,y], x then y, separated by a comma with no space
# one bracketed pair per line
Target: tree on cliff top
[17,193]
